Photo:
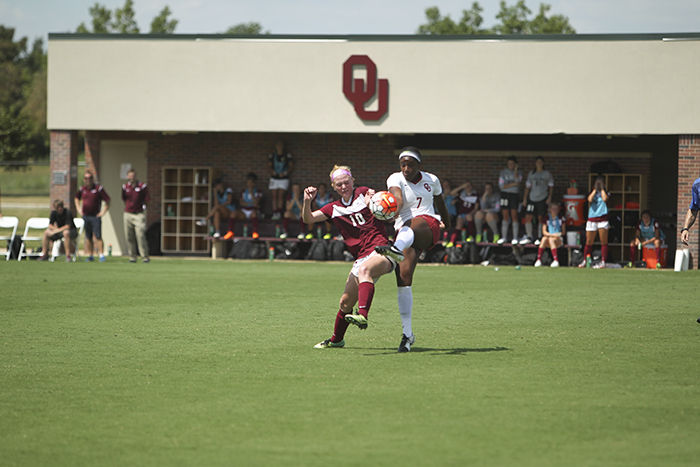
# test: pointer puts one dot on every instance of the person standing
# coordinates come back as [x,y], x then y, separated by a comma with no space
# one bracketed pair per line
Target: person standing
[597,222]
[280,164]
[418,195]
[692,214]
[509,185]
[88,205]
[135,196]
[538,195]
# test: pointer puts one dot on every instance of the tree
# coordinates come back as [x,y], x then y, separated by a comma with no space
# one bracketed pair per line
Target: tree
[161,24]
[251,29]
[23,133]
[512,19]
[123,20]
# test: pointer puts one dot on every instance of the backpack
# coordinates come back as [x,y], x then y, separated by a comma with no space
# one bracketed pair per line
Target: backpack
[456,255]
[242,249]
[318,251]
[287,250]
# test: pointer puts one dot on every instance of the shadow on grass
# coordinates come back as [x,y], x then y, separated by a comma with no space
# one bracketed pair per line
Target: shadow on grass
[455,351]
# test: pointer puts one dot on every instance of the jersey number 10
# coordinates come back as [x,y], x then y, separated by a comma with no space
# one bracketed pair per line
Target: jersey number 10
[357,219]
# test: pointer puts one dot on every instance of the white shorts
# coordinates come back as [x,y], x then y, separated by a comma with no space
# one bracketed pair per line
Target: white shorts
[594,226]
[355,271]
[278,184]
[247,212]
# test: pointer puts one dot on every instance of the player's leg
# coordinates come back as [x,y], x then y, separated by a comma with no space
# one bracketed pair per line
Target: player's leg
[603,234]
[588,248]
[461,220]
[89,239]
[554,244]
[540,251]
[404,280]
[529,232]
[479,225]
[515,223]
[633,251]
[369,271]
[492,221]
[657,246]
[505,222]
[217,222]
[347,301]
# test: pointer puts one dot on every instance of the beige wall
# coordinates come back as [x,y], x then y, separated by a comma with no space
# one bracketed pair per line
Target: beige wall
[112,155]
[210,84]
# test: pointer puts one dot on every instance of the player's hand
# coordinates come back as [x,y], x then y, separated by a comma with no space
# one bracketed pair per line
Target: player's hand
[684,237]
[310,192]
[442,225]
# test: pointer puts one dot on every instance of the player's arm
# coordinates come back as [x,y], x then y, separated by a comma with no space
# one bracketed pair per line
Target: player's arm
[526,193]
[78,206]
[690,217]
[311,217]
[441,207]
[396,191]
[545,232]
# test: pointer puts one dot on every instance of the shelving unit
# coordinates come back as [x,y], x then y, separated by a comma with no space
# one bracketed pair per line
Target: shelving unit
[186,197]
[626,203]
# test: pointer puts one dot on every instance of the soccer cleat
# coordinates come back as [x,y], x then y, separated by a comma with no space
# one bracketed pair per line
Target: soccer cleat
[630,265]
[356,319]
[496,238]
[658,265]
[600,265]
[582,264]
[449,245]
[406,342]
[500,241]
[525,240]
[229,235]
[146,260]
[255,235]
[201,222]
[470,239]
[328,344]
[89,259]
[537,242]
[555,264]
[327,236]
[538,263]
[300,236]
[132,260]
[216,235]
[391,251]
[309,236]
[478,238]
[102,258]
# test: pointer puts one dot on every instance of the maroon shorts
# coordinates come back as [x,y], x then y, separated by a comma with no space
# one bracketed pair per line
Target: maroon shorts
[434,226]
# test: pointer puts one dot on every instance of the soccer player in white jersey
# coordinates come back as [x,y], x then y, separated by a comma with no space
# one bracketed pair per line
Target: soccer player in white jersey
[417,226]
[362,232]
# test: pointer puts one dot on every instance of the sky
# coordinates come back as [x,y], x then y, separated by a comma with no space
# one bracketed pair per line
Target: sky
[36,18]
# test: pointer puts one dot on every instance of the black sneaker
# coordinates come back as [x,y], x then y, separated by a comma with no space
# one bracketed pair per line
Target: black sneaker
[406,342]
[391,251]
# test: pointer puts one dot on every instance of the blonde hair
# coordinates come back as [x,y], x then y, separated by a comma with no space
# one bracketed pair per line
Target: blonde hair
[343,169]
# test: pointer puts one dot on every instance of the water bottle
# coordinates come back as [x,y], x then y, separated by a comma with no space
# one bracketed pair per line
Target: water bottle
[245,230]
[277,231]
[271,253]
[319,233]
[588,261]
[109,250]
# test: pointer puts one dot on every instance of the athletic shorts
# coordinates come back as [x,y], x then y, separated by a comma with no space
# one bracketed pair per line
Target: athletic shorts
[537,208]
[434,225]
[355,271]
[59,235]
[93,227]
[510,200]
[248,212]
[592,226]
[231,207]
[279,184]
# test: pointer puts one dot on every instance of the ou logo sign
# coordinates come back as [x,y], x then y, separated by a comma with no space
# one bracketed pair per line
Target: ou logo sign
[360,92]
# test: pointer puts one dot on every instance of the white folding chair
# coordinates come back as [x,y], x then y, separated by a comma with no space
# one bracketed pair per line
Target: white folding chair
[33,223]
[9,222]
[79,223]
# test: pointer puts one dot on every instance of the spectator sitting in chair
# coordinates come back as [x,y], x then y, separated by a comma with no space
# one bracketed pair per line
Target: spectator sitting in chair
[61,226]
[250,204]
[224,209]
[648,233]
[553,231]
[490,207]
[293,212]
[467,205]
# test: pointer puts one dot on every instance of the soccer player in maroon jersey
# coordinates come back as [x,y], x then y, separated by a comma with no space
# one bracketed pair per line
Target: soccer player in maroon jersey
[362,232]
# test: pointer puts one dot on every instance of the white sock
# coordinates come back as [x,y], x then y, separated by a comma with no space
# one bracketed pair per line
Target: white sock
[528,229]
[504,228]
[405,295]
[516,229]
[404,238]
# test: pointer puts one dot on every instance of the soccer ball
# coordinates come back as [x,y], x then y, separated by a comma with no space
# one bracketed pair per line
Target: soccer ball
[383,205]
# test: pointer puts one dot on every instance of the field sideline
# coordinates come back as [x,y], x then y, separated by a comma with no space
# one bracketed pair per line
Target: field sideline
[211,363]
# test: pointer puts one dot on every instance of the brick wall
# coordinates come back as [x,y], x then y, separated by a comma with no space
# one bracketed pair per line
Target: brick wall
[688,171]
[64,158]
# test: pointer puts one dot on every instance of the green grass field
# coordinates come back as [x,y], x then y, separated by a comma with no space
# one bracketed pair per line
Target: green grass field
[211,363]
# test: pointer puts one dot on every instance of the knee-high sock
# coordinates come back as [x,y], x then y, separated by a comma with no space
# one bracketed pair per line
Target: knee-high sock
[540,250]
[658,255]
[555,254]
[504,228]
[285,224]
[471,229]
[231,224]
[633,253]
[516,229]
[493,223]
[587,250]
[405,295]
[365,293]
[604,252]
[340,327]
[256,224]
[302,226]
[528,229]
[404,238]
[479,223]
